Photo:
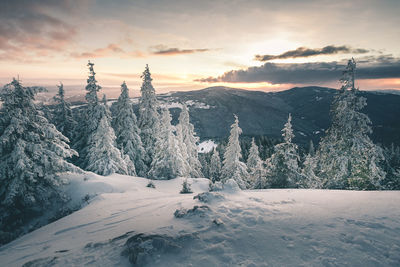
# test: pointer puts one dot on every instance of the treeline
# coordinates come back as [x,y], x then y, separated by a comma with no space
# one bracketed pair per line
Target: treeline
[346,158]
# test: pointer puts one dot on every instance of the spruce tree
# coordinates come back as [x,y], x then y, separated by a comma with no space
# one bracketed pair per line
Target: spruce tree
[309,178]
[127,131]
[255,167]
[168,162]
[347,158]
[188,143]
[90,117]
[282,167]
[233,168]
[215,166]
[103,157]
[392,168]
[148,115]
[63,118]
[32,152]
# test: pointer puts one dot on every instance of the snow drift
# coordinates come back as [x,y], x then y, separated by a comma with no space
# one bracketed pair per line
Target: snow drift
[126,223]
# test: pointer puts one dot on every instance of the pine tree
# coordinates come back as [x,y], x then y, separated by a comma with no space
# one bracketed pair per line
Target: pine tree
[127,132]
[186,188]
[103,157]
[90,117]
[32,152]
[168,162]
[347,158]
[215,166]
[309,179]
[255,167]
[282,168]
[148,115]
[188,143]
[63,119]
[233,168]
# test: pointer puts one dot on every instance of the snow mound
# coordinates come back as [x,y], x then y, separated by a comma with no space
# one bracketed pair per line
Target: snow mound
[231,186]
[208,197]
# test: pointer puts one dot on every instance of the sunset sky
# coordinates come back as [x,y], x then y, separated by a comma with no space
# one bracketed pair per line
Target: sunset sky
[257,45]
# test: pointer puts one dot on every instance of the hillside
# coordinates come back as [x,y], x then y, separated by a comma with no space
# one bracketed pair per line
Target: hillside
[263,113]
[127,223]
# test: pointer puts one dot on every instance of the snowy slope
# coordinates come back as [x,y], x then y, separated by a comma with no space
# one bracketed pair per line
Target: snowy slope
[248,228]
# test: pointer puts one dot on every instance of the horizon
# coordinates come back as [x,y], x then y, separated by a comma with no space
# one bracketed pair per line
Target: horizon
[255,45]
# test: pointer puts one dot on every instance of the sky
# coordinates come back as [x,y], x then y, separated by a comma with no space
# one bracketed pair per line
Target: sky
[250,44]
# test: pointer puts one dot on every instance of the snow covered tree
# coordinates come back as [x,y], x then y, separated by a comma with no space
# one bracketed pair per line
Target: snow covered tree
[347,158]
[188,143]
[282,167]
[127,131]
[309,179]
[233,168]
[392,168]
[148,115]
[32,152]
[215,166]
[90,118]
[103,157]
[255,166]
[186,188]
[168,162]
[62,118]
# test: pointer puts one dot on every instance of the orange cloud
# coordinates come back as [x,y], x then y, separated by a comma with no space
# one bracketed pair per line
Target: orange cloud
[108,51]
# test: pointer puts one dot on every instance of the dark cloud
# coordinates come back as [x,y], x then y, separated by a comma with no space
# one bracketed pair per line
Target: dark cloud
[165,51]
[30,29]
[306,73]
[309,52]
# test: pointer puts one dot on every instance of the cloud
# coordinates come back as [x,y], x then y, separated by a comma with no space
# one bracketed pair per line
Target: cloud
[165,51]
[110,50]
[35,29]
[309,52]
[307,73]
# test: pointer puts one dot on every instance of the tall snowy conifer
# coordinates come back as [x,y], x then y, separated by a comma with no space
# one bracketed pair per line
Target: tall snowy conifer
[282,167]
[233,168]
[63,119]
[168,162]
[32,152]
[215,166]
[90,117]
[127,131]
[188,144]
[255,166]
[148,115]
[103,157]
[347,158]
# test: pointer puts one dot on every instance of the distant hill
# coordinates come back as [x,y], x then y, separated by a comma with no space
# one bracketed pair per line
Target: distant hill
[262,113]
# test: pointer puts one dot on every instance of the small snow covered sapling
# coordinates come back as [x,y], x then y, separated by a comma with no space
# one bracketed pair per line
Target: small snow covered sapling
[151,184]
[186,188]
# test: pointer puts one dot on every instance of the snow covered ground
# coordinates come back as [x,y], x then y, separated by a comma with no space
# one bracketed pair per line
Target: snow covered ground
[228,228]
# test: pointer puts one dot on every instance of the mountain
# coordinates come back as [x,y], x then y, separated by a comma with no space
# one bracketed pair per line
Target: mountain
[264,113]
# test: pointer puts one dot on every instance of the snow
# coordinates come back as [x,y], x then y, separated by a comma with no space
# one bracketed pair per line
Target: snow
[171,105]
[206,146]
[196,104]
[303,134]
[281,227]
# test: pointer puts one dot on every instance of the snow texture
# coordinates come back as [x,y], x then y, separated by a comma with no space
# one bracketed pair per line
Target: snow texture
[127,222]
[206,146]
